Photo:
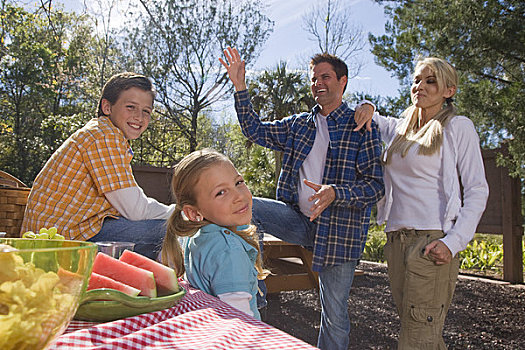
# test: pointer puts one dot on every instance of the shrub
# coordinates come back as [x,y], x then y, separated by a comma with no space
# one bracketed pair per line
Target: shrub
[482,254]
[374,244]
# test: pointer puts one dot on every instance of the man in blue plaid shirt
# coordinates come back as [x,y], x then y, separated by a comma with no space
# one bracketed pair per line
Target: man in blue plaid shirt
[330,178]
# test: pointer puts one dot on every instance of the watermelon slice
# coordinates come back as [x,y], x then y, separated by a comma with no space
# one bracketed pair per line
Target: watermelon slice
[126,273]
[165,277]
[97,281]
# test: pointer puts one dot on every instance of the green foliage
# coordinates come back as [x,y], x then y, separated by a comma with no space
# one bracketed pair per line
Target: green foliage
[523,251]
[484,41]
[486,254]
[42,68]
[54,65]
[374,244]
[277,94]
[259,171]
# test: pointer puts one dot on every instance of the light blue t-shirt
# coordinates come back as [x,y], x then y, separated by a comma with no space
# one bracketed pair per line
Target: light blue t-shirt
[219,261]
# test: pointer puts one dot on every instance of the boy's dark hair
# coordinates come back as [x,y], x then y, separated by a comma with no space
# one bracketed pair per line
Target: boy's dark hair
[340,67]
[122,82]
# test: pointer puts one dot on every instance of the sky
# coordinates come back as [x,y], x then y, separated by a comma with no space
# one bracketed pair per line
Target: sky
[289,41]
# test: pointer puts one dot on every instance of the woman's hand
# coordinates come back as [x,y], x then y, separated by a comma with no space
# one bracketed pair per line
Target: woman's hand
[438,252]
[235,68]
[363,115]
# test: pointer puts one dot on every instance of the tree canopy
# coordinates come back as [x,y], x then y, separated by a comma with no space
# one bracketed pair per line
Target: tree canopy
[178,43]
[328,24]
[484,41]
[279,93]
[42,71]
[53,65]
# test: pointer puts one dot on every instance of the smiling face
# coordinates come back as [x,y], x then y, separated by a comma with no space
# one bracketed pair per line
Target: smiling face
[426,92]
[222,197]
[327,90]
[131,113]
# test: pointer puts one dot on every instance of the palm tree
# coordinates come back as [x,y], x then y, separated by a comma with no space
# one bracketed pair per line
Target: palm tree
[279,93]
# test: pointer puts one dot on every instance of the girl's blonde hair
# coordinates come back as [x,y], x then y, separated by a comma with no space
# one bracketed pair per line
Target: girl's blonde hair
[186,174]
[429,137]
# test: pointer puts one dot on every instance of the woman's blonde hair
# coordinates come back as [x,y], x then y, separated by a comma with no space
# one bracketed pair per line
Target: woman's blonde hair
[186,174]
[430,136]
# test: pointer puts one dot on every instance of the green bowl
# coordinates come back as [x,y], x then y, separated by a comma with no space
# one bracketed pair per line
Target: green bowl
[41,284]
[103,305]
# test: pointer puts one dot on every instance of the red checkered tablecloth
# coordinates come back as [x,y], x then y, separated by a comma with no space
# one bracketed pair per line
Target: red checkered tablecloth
[198,321]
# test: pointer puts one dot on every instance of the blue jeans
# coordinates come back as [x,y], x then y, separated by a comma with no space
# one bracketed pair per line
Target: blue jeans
[283,222]
[146,234]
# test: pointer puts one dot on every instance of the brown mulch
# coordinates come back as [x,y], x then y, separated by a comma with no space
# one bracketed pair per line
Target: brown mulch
[484,314]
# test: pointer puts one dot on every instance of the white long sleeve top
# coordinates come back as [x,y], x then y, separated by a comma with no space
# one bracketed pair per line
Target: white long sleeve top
[133,204]
[461,158]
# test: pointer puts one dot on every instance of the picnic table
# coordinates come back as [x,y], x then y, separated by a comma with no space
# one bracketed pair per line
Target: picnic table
[291,266]
[198,321]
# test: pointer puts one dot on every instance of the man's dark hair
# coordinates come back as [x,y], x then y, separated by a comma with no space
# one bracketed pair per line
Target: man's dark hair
[122,82]
[340,67]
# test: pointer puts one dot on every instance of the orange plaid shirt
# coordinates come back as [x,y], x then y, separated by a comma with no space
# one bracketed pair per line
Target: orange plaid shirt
[69,191]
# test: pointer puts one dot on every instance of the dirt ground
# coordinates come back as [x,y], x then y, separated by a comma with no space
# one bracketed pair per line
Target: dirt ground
[484,314]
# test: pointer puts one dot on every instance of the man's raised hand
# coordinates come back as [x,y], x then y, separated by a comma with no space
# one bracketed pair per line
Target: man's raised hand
[235,68]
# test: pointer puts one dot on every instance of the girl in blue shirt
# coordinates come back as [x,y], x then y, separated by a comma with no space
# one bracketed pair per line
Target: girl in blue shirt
[214,209]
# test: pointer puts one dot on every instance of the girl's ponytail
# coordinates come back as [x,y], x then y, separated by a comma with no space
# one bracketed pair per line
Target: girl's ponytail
[178,226]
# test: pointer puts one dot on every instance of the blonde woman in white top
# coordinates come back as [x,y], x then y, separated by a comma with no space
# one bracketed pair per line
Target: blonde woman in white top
[431,154]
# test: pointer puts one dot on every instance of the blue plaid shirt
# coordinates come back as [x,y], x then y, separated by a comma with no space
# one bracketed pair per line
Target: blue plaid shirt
[352,168]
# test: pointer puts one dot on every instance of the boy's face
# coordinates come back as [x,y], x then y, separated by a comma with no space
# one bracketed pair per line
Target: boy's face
[131,113]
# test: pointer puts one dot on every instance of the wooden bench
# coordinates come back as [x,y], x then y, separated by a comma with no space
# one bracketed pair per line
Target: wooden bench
[290,264]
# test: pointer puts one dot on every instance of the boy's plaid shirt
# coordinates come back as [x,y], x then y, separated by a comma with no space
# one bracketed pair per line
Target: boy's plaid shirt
[352,168]
[69,191]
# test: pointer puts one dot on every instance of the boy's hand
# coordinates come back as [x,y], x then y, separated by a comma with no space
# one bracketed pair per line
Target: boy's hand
[363,115]
[235,68]
[323,197]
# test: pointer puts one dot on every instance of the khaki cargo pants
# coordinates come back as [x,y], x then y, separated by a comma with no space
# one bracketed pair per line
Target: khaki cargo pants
[422,290]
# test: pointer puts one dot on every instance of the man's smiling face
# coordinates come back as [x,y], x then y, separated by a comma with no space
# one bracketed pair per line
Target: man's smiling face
[327,90]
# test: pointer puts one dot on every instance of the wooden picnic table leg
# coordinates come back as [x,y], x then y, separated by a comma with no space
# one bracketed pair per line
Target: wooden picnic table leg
[307,257]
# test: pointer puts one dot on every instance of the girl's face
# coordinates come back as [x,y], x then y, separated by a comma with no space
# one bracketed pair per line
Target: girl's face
[131,112]
[426,93]
[222,196]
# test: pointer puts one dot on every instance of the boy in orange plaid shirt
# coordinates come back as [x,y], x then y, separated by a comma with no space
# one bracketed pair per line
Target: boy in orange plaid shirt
[87,189]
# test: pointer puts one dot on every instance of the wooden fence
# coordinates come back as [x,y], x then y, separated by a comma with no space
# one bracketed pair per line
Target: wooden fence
[155,181]
[503,215]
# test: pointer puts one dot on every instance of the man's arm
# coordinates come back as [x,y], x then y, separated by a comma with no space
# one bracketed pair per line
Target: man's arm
[271,135]
[369,187]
